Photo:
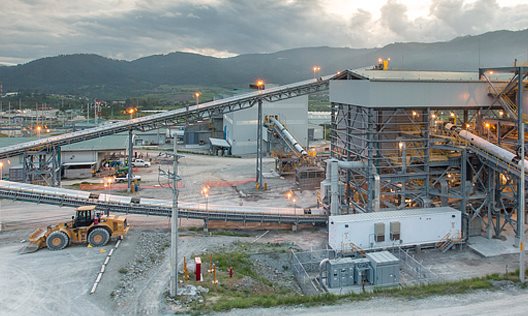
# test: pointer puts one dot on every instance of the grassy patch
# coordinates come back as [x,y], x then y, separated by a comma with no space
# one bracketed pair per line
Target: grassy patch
[258,300]
[230,233]
[457,287]
[249,289]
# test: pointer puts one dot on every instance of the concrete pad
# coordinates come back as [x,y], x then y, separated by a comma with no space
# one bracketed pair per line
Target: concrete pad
[356,289]
[492,247]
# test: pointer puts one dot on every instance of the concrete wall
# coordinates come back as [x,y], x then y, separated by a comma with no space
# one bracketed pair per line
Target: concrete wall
[409,93]
[240,127]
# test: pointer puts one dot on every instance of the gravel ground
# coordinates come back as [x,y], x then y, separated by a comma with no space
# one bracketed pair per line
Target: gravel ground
[511,302]
[150,251]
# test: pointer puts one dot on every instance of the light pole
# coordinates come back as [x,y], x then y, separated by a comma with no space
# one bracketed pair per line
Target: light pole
[315,70]
[259,85]
[294,206]
[38,128]
[131,112]
[197,95]
[205,194]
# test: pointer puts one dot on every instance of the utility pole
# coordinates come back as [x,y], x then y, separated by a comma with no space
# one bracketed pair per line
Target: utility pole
[521,197]
[130,172]
[259,179]
[173,290]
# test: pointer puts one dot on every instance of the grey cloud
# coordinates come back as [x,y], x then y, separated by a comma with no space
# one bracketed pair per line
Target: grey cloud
[236,27]
[33,29]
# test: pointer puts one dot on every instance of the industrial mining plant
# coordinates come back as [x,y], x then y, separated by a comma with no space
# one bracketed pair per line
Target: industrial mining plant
[416,160]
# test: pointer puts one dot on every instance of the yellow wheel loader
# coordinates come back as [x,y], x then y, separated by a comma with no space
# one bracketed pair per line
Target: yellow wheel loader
[86,226]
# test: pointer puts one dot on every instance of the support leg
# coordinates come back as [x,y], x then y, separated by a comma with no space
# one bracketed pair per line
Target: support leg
[130,153]
[259,145]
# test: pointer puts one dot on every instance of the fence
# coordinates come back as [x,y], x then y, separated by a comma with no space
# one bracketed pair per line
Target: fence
[305,266]
[419,273]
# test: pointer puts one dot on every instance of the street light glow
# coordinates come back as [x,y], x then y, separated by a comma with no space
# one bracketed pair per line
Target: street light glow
[315,70]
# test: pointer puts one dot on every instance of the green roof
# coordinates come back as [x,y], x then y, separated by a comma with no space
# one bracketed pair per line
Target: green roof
[112,142]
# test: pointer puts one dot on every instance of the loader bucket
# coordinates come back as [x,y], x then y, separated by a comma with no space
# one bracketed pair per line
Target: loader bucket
[29,248]
[36,239]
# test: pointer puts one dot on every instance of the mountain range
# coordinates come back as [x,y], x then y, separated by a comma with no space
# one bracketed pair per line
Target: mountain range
[94,75]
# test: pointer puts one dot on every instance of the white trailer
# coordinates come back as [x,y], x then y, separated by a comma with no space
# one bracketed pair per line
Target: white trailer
[380,230]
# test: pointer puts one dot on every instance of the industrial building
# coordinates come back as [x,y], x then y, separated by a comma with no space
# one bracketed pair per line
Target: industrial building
[414,140]
[316,123]
[240,128]
[401,141]
[77,160]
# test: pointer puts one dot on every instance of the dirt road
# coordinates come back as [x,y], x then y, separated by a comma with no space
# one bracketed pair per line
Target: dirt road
[511,303]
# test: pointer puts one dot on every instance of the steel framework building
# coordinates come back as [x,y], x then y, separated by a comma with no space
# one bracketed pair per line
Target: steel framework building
[394,122]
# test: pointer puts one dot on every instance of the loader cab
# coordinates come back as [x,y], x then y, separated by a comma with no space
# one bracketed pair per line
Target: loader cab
[84,216]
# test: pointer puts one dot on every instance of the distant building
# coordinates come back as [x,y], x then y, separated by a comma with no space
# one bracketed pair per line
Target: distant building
[153,137]
[78,160]
[240,128]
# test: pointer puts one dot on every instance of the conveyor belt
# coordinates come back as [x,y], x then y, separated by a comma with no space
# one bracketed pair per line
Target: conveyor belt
[195,112]
[73,198]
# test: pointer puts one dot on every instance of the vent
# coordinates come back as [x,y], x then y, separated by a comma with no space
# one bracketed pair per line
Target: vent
[395,230]
[379,232]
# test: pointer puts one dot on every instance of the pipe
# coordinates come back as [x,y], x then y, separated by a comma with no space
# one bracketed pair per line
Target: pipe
[322,265]
[487,146]
[334,187]
[332,175]
[352,164]
[286,135]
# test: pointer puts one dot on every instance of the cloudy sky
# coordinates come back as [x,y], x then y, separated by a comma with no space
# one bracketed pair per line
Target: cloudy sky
[128,29]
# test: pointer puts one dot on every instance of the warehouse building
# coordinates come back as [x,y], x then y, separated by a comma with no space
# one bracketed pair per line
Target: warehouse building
[240,128]
[77,160]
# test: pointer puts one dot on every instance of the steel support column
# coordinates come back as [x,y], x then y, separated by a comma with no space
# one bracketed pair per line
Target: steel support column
[370,162]
[43,167]
[520,184]
[56,166]
[130,153]
[259,179]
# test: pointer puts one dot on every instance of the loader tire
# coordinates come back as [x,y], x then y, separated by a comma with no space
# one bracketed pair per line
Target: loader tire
[57,240]
[98,237]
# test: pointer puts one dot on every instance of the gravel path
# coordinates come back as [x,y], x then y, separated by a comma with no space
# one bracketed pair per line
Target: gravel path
[508,302]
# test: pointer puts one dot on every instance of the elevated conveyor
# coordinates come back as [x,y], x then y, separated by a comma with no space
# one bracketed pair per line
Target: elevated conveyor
[122,204]
[195,112]
[287,137]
